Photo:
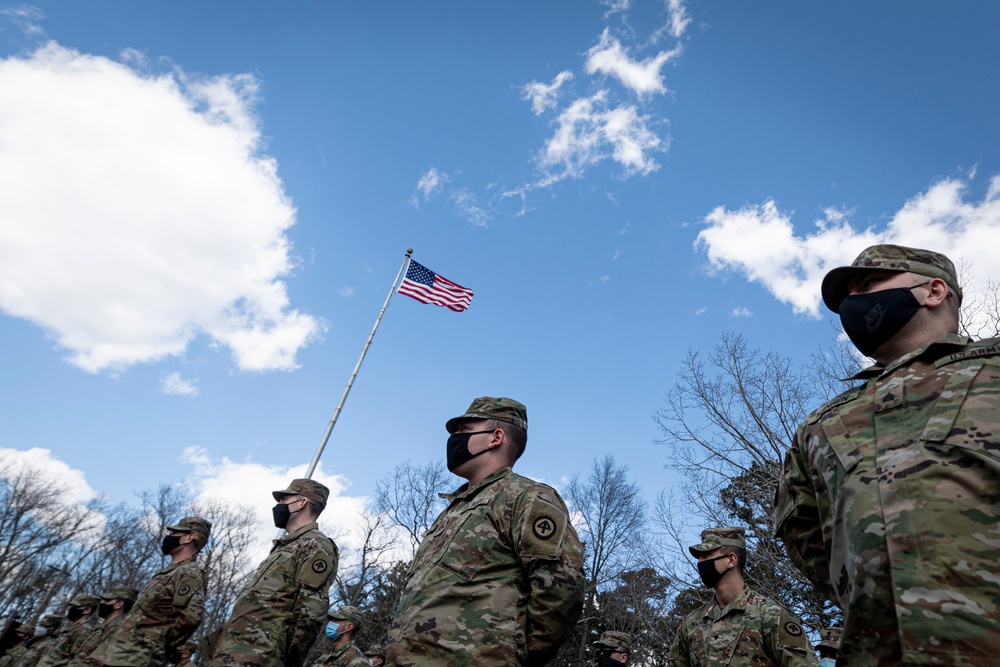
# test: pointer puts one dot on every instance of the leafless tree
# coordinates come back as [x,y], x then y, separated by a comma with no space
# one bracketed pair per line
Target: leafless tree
[408,496]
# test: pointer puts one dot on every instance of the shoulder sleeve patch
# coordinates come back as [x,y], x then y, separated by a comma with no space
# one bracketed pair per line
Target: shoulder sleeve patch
[793,628]
[316,568]
[542,530]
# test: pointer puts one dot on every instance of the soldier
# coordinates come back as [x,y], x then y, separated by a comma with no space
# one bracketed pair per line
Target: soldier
[340,629]
[828,646]
[376,655]
[737,626]
[498,579]
[36,647]
[115,603]
[169,609]
[21,633]
[613,649]
[278,615]
[181,657]
[80,616]
[890,496]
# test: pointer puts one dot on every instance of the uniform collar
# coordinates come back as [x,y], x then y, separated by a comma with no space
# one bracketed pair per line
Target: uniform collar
[465,491]
[296,534]
[938,347]
[179,563]
[739,602]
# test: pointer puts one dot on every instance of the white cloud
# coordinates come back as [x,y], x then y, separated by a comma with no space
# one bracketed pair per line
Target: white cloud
[429,185]
[138,213]
[250,484]
[700,311]
[742,311]
[176,385]
[759,241]
[618,254]
[641,77]
[73,484]
[604,279]
[591,131]
[543,96]
[679,19]
[26,18]
[346,291]
[468,207]
[616,6]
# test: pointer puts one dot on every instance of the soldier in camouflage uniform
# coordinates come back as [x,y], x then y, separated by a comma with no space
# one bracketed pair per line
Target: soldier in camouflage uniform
[278,615]
[498,579]
[737,627]
[169,609]
[612,649]
[36,647]
[828,646]
[376,655]
[115,603]
[340,629]
[80,616]
[890,497]
[21,632]
[181,657]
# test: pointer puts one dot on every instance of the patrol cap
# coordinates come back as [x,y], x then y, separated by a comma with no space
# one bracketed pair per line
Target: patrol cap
[375,649]
[620,642]
[887,257]
[85,601]
[501,409]
[24,629]
[193,524]
[50,621]
[120,593]
[830,638]
[187,647]
[714,538]
[307,488]
[349,614]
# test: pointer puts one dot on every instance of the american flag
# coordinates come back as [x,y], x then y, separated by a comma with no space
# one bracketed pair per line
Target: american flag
[426,286]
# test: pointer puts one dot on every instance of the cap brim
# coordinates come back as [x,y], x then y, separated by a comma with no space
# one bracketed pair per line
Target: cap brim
[455,422]
[836,283]
[701,548]
[180,529]
[278,495]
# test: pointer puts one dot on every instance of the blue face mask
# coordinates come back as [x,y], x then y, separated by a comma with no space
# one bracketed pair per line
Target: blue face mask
[827,662]
[333,631]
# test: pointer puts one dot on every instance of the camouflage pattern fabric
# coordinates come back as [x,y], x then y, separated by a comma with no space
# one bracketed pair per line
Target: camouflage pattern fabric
[752,631]
[12,656]
[890,503]
[348,655]
[278,615]
[165,615]
[36,650]
[69,641]
[497,580]
[98,635]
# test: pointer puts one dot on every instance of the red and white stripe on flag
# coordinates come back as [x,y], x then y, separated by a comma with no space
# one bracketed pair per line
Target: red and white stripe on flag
[425,286]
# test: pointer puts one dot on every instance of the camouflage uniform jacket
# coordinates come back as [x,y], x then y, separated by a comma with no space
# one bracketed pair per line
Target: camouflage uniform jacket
[277,616]
[69,641]
[12,656]
[165,615]
[98,635]
[890,503]
[347,656]
[497,580]
[752,631]
[36,650]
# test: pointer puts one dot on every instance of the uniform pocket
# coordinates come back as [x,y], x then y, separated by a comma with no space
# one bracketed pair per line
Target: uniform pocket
[470,544]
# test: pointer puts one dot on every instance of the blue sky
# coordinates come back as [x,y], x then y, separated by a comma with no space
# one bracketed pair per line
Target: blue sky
[204,209]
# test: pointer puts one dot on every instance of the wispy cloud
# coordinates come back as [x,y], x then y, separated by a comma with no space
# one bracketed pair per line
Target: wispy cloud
[171,221]
[176,385]
[467,207]
[641,77]
[429,185]
[741,311]
[543,96]
[759,242]
[26,18]
[618,253]
[347,291]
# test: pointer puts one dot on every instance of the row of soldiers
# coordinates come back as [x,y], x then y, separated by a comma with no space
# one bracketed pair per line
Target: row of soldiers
[888,502]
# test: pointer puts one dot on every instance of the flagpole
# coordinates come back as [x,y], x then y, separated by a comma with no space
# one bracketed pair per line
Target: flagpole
[354,374]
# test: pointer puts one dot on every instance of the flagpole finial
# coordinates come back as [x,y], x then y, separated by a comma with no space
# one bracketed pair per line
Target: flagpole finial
[409,251]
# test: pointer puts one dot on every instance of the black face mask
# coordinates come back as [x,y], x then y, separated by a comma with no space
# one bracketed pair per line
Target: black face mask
[105,609]
[608,661]
[871,319]
[74,614]
[281,515]
[458,448]
[709,575]
[170,542]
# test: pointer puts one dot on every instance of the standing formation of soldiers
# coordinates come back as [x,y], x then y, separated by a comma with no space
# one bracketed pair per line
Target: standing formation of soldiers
[889,502]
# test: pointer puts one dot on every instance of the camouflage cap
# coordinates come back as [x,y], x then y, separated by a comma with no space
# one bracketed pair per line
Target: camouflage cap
[615,641]
[502,409]
[24,629]
[375,649]
[50,621]
[120,593]
[193,524]
[888,258]
[349,614]
[714,538]
[85,601]
[187,647]
[307,488]
[830,638]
